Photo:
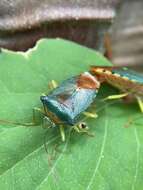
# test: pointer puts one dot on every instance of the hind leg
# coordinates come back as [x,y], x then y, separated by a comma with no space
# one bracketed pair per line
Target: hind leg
[62,132]
[82,127]
[118,96]
[140,103]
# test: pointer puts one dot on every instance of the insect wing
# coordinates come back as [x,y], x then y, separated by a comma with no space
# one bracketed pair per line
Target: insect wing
[72,97]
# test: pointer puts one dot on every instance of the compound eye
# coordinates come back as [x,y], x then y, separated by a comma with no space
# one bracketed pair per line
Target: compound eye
[83,126]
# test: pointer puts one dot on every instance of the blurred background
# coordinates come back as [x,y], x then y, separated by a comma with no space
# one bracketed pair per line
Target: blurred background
[22,23]
[114,27]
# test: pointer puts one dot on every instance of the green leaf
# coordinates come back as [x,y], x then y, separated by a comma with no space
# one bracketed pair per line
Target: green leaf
[112,159]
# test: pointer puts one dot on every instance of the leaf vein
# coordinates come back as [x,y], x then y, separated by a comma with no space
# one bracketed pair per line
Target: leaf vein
[137,158]
[34,151]
[100,156]
[53,167]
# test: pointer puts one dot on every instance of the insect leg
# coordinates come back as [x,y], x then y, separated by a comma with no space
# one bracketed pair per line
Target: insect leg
[38,110]
[62,132]
[112,97]
[90,114]
[17,123]
[79,129]
[140,103]
[53,84]
[76,129]
[33,123]
[82,126]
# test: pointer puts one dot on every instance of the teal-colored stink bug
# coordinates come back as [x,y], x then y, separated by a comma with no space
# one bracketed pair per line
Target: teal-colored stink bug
[66,102]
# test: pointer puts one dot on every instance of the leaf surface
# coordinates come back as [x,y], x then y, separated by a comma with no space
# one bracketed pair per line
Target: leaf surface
[112,159]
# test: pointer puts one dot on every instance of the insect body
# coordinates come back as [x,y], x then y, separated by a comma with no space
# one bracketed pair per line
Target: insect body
[129,82]
[66,102]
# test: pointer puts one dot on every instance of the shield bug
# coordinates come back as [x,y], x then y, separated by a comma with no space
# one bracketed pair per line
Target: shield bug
[66,102]
[129,82]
